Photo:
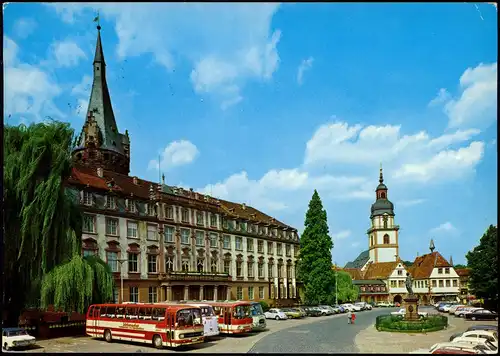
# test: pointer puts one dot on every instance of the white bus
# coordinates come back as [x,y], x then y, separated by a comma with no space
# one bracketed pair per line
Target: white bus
[210,322]
[259,319]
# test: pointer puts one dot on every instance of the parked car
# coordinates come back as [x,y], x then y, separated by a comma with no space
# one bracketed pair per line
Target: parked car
[301,311]
[275,313]
[340,308]
[462,312]
[326,310]
[351,307]
[383,305]
[488,346]
[483,327]
[292,314]
[454,348]
[454,308]
[481,314]
[312,311]
[16,337]
[491,336]
[363,305]
[402,312]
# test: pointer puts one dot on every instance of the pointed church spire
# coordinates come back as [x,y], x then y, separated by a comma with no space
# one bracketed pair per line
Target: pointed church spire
[381,178]
[99,55]
[451,260]
[431,246]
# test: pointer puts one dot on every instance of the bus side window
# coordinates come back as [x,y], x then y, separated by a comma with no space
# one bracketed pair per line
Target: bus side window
[161,312]
[154,313]
[147,314]
[91,310]
[131,312]
[142,313]
[111,311]
[103,311]
[120,313]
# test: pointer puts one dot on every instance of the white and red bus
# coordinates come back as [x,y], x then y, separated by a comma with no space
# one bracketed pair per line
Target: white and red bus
[210,320]
[233,317]
[160,324]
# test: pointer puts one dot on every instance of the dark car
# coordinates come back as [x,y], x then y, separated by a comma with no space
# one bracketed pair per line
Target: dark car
[481,314]
[483,327]
[311,311]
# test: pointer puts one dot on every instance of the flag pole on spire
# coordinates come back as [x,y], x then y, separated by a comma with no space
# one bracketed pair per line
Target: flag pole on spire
[96,19]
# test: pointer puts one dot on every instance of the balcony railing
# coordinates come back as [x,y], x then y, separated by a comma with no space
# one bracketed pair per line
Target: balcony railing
[195,276]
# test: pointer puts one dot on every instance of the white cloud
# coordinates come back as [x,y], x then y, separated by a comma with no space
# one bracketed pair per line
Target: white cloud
[476,104]
[177,153]
[24,27]
[442,97]
[341,235]
[28,90]
[446,227]
[226,44]
[304,65]
[81,92]
[406,203]
[67,53]
[355,244]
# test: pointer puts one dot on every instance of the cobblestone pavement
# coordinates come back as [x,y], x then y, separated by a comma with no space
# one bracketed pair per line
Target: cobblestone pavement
[370,340]
[332,335]
[220,344]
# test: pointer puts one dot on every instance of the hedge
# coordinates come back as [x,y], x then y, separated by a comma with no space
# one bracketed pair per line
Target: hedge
[396,324]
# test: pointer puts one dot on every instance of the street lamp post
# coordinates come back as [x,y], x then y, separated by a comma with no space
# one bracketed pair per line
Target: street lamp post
[336,285]
[121,277]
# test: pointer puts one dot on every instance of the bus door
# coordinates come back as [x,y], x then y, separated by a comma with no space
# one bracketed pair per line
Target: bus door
[96,315]
[170,323]
[227,318]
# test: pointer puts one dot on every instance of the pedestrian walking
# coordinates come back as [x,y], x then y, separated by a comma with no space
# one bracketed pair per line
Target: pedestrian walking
[349,317]
[353,318]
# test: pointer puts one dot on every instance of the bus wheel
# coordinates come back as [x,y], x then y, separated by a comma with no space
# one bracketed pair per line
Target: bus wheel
[157,341]
[6,347]
[107,336]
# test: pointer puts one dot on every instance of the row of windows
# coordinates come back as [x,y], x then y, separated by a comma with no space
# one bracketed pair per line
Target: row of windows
[446,270]
[425,284]
[112,229]
[251,293]
[167,211]
[386,240]
[152,265]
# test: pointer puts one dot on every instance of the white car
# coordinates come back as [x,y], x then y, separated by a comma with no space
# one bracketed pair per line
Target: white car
[402,312]
[489,335]
[447,308]
[489,347]
[276,314]
[453,309]
[326,310]
[463,312]
[351,307]
[16,337]
[456,346]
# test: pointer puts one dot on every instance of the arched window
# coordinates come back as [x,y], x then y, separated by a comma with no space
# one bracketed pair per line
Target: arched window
[169,264]
[199,266]
[386,239]
[371,240]
[185,266]
[213,267]
[385,222]
[382,195]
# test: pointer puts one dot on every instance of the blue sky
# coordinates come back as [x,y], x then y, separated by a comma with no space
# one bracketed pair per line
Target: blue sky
[263,103]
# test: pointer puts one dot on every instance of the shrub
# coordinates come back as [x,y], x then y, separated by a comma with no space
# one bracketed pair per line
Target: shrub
[264,305]
[395,323]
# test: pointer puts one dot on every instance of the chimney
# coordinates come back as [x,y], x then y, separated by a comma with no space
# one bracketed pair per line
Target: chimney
[135,180]
[243,206]
[99,172]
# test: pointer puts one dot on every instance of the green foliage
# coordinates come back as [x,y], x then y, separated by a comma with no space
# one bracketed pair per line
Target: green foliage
[346,291]
[396,323]
[315,266]
[75,285]
[408,263]
[460,266]
[264,305]
[43,225]
[483,262]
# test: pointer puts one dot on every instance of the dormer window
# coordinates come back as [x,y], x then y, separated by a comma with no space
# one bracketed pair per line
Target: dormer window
[110,202]
[86,198]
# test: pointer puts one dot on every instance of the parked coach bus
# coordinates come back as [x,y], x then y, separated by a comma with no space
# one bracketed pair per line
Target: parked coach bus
[159,324]
[210,322]
[258,317]
[233,317]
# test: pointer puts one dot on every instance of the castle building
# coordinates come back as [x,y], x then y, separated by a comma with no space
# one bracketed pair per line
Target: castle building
[380,273]
[168,243]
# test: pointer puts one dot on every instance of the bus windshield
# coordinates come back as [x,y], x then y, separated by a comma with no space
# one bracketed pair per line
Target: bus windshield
[207,311]
[188,317]
[257,309]
[241,311]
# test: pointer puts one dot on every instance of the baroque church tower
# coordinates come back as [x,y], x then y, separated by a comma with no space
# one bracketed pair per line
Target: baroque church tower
[100,145]
[383,234]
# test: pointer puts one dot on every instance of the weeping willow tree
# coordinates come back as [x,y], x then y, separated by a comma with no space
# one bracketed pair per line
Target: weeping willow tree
[42,222]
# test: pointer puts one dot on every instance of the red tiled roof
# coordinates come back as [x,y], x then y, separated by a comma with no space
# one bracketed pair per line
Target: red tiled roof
[141,190]
[381,270]
[463,272]
[355,273]
[423,265]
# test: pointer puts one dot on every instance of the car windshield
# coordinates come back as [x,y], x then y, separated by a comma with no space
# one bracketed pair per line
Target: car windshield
[241,311]
[257,309]
[188,317]
[490,345]
[207,311]
[18,332]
